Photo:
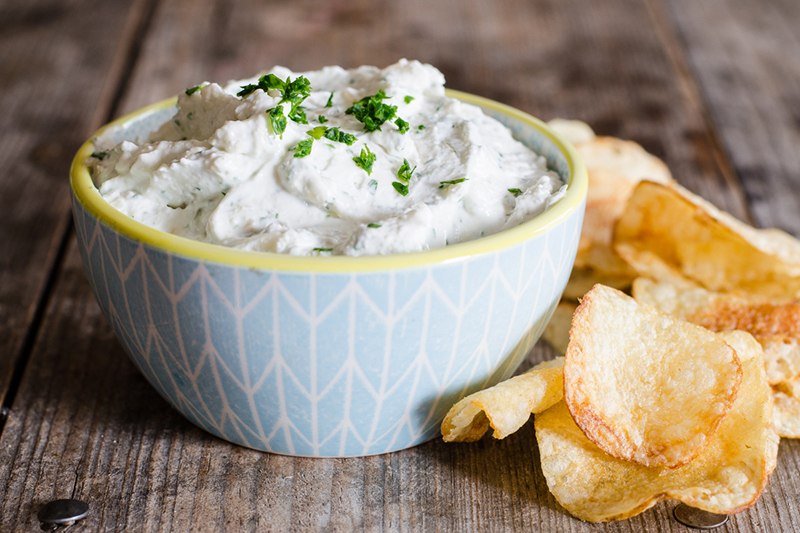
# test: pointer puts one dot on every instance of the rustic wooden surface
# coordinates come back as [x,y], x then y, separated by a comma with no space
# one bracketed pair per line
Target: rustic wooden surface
[712,87]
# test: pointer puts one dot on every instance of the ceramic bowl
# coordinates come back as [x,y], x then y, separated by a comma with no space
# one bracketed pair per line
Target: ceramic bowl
[327,356]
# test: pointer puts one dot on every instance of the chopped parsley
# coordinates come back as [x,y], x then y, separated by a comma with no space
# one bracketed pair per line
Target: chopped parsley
[404,175]
[402,188]
[515,192]
[373,186]
[322,119]
[323,249]
[330,101]
[372,112]
[373,225]
[298,114]
[336,135]
[408,98]
[401,124]
[318,132]
[421,127]
[365,160]
[191,90]
[451,182]
[100,155]
[296,91]
[405,171]
[265,83]
[277,120]
[303,148]
[292,92]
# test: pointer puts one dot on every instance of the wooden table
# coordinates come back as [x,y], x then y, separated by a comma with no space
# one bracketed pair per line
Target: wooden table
[712,87]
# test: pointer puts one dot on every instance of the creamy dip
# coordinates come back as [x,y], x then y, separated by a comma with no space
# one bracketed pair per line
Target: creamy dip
[222,171]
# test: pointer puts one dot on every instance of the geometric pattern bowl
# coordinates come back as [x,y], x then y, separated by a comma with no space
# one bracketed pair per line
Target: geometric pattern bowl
[327,356]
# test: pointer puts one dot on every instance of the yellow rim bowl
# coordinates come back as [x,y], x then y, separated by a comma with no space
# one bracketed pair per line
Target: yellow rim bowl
[88,195]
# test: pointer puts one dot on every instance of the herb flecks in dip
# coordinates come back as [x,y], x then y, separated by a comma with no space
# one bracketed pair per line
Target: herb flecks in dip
[352,162]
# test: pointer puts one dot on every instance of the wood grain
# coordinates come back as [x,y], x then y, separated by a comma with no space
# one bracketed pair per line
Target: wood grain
[745,58]
[59,67]
[86,424]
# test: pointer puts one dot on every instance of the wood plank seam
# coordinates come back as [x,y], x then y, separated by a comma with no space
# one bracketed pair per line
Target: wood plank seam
[667,32]
[141,18]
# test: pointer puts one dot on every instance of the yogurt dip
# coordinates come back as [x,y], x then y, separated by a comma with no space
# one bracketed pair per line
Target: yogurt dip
[334,161]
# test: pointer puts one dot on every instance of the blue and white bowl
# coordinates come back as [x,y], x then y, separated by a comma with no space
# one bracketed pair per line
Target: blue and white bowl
[327,356]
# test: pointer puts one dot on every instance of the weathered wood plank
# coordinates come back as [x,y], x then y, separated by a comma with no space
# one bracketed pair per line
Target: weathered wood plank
[59,65]
[745,58]
[86,423]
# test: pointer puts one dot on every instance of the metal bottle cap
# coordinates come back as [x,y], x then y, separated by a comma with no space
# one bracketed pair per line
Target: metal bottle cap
[63,512]
[697,518]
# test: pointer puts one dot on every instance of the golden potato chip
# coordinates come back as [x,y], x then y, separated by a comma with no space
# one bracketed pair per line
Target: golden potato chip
[614,167]
[790,387]
[727,477]
[677,231]
[776,326]
[644,385]
[581,281]
[557,330]
[573,131]
[786,414]
[507,405]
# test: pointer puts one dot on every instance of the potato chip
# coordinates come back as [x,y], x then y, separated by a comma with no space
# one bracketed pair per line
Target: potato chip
[573,131]
[776,326]
[557,330]
[644,385]
[581,281]
[507,405]
[614,167]
[665,228]
[786,414]
[727,477]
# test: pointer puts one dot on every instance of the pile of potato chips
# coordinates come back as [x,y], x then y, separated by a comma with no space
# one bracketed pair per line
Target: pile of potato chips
[678,392]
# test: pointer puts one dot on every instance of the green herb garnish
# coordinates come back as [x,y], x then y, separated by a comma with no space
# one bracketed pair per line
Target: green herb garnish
[303,148]
[421,127]
[372,112]
[323,249]
[407,99]
[405,171]
[265,83]
[330,101]
[373,225]
[515,192]
[451,182]
[298,114]
[402,188]
[292,92]
[365,160]
[401,124]
[191,90]
[336,135]
[277,120]
[322,119]
[373,186]
[317,132]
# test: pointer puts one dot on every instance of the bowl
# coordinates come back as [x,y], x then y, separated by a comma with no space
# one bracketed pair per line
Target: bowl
[326,356]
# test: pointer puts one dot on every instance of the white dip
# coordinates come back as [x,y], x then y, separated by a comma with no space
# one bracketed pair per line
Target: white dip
[220,172]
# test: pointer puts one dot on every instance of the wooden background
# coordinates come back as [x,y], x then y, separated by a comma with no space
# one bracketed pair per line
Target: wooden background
[711,86]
